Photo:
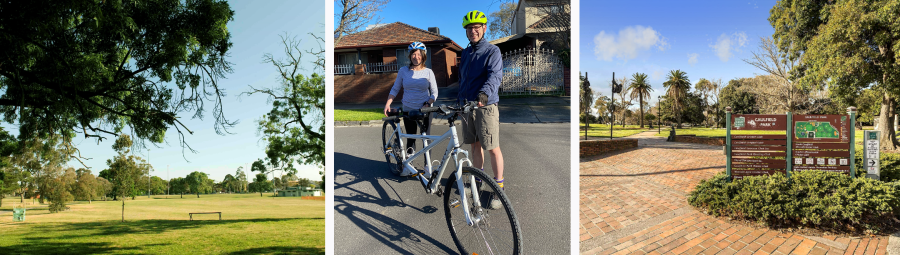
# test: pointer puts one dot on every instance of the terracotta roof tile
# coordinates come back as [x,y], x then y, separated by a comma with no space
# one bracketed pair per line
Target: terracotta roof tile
[393,33]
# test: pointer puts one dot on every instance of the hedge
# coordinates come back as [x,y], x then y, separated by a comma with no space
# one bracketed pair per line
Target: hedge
[823,200]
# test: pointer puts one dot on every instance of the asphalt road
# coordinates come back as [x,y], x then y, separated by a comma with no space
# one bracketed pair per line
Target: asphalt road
[379,213]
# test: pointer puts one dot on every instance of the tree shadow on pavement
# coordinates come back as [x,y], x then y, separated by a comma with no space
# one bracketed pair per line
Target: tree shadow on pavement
[280,250]
[398,236]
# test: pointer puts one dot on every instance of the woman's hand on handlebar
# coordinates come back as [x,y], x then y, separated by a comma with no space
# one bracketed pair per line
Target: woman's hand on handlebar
[387,108]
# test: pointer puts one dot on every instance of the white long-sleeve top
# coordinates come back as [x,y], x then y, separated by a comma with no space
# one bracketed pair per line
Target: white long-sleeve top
[418,86]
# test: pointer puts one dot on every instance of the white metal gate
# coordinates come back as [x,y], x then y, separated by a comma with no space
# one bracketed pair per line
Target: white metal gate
[532,71]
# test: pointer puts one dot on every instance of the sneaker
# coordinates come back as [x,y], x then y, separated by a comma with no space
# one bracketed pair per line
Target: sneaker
[495,199]
[495,202]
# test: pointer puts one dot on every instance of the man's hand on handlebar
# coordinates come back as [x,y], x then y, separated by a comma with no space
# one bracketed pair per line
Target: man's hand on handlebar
[482,99]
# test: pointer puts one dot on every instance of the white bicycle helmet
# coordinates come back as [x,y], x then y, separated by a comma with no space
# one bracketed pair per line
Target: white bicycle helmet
[416,46]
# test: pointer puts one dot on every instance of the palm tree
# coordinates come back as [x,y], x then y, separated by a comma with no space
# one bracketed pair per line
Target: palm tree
[640,90]
[678,86]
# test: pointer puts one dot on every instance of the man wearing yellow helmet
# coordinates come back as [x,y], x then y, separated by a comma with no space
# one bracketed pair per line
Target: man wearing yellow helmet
[480,74]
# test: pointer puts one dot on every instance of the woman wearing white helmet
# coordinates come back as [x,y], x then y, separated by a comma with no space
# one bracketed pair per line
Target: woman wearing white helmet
[418,85]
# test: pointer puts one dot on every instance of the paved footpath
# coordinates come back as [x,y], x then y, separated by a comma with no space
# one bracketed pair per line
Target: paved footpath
[635,202]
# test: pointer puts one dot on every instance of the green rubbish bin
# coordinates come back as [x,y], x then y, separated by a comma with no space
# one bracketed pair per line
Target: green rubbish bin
[18,214]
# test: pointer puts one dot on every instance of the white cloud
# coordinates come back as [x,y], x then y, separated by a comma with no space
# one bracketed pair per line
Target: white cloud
[630,41]
[692,58]
[726,44]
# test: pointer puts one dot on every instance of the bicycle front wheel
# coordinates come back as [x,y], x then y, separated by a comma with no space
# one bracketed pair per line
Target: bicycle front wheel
[393,154]
[495,228]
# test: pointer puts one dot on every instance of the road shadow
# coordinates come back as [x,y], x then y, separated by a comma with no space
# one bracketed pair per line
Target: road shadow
[398,236]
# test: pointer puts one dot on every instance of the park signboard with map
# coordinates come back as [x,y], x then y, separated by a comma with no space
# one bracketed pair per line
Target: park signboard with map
[822,142]
[810,142]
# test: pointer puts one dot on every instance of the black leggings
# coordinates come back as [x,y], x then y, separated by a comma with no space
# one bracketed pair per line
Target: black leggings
[412,128]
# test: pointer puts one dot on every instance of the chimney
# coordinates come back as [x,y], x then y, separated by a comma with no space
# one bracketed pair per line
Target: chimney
[435,30]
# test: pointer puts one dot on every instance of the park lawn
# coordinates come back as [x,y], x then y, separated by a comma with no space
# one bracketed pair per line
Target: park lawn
[250,225]
[358,114]
[717,132]
[602,130]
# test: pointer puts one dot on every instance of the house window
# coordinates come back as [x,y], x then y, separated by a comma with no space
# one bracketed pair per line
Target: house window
[403,57]
[350,59]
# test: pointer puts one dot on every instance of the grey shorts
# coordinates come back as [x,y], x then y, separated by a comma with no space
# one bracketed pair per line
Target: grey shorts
[482,125]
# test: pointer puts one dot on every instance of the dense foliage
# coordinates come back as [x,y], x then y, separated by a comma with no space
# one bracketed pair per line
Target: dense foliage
[824,200]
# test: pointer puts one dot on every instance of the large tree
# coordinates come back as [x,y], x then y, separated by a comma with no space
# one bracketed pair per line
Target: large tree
[587,97]
[180,186]
[678,85]
[86,186]
[735,95]
[198,182]
[260,184]
[845,46]
[354,15]
[776,90]
[500,21]
[241,178]
[626,87]
[640,90]
[97,67]
[295,127]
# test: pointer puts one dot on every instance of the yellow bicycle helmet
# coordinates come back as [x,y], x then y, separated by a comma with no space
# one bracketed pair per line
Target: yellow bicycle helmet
[474,17]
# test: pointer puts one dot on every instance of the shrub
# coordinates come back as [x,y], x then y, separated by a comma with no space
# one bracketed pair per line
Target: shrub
[817,199]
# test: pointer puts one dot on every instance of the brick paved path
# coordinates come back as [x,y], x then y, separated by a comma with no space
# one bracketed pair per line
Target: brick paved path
[635,202]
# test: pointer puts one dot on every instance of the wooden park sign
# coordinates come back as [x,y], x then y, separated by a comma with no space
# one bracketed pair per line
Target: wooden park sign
[810,142]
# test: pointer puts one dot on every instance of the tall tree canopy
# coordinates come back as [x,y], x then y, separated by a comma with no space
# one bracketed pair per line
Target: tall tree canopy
[845,45]
[295,127]
[96,67]
[678,85]
[640,89]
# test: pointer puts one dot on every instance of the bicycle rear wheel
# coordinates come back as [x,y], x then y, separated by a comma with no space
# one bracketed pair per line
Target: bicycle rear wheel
[496,228]
[393,153]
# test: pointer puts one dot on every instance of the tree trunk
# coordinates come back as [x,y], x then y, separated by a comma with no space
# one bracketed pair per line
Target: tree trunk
[123,210]
[198,194]
[260,194]
[888,140]
[642,110]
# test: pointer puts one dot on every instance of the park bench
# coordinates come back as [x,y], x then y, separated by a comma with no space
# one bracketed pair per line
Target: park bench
[191,215]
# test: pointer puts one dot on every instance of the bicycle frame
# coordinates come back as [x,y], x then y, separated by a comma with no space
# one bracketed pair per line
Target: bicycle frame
[453,148]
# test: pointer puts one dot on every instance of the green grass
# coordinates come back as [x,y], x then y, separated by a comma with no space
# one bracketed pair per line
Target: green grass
[602,130]
[717,132]
[358,114]
[250,225]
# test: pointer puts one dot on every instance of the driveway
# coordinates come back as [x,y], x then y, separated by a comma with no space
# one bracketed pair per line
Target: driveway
[379,213]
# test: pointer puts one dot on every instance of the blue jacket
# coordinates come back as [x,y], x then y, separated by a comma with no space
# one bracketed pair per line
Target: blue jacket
[481,70]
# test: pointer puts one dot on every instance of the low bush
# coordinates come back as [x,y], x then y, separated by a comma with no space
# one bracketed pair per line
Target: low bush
[823,200]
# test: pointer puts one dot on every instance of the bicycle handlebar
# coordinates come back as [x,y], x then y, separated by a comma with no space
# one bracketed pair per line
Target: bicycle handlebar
[443,110]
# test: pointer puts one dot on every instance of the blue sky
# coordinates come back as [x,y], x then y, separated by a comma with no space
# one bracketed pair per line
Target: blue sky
[705,39]
[255,31]
[425,14]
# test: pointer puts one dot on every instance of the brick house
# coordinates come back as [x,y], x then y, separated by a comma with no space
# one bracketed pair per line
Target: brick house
[366,63]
